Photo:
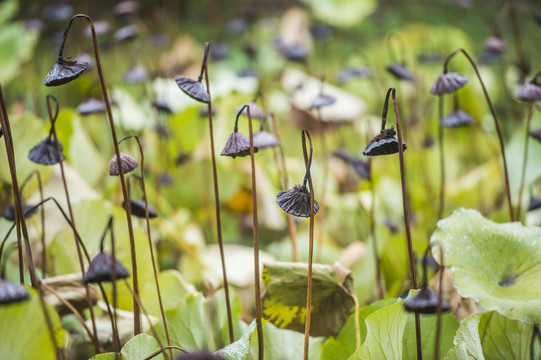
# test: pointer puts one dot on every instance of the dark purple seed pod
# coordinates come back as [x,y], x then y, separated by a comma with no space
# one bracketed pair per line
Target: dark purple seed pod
[342,154]
[425,301]
[162,131]
[248,73]
[219,51]
[383,144]
[534,204]
[264,139]
[237,145]
[136,74]
[321,101]
[9,211]
[199,355]
[91,106]
[11,293]
[400,71]
[456,118]
[495,44]
[162,106]
[296,53]
[126,8]
[348,74]
[63,72]
[165,179]
[529,92]
[99,269]
[296,201]
[126,33]
[128,164]
[255,111]
[361,167]
[448,83]
[193,88]
[138,209]
[1,132]
[44,152]
[101,28]
[182,158]
[536,134]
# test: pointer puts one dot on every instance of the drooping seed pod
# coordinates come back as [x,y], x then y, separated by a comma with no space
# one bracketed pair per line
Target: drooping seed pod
[448,83]
[296,201]
[193,88]
[138,209]
[91,106]
[63,72]
[44,153]
[425,301]
[534,204]
[255,111]
[322,100]
[264,139]
[237,145]
[529,92]
[9,211]
[128,164]
[136,74]
[456,118]
[99,269]
[384,143]
[126,33]
[12,293]
[536,134]
[400,71]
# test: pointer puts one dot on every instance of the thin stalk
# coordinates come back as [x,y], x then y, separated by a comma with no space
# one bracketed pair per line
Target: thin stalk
[136,310]
[114,320]
[158,352]
[290,220]
[442,158]
[356,315]
[322,202]
[255,221]
[150,244]
[406,219]
[379,280]
[20,220]
[525,159]
[438,308]
[204,69]
[52,119]
[496,124]
[67,304]
[308,176]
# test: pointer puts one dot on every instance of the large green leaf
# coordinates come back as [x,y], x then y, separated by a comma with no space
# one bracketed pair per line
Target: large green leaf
[343,345]
[385,329]
[23,330]
[17,46]
[492,336]
[186,325]
[284,301]
[281,344]
[495,264]
[449,325]
[140,346]
[241,348]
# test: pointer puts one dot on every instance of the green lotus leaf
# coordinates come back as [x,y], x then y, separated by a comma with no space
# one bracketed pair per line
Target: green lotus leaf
[23,330]
[343,345]
[492,336]
[495,264]
[141,346]
[284,302]
[241,348]
[385,330]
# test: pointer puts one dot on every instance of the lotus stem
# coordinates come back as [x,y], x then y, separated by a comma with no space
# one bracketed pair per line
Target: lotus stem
[406,217]
[20,220]
[256,240]
[52,119]
[438,309]
[525,160]
[217,200]
[496,124]
[285,185]
[158,352]
[442,158]
[308,176]
[150,244]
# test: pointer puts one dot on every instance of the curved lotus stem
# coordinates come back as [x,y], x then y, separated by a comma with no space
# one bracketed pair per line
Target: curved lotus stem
[442,158]
[20,220]
[136,310]
[256,238]
[392,91]
[52,119]
[496,124]
[217,200]
[308,177]
[150,244]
